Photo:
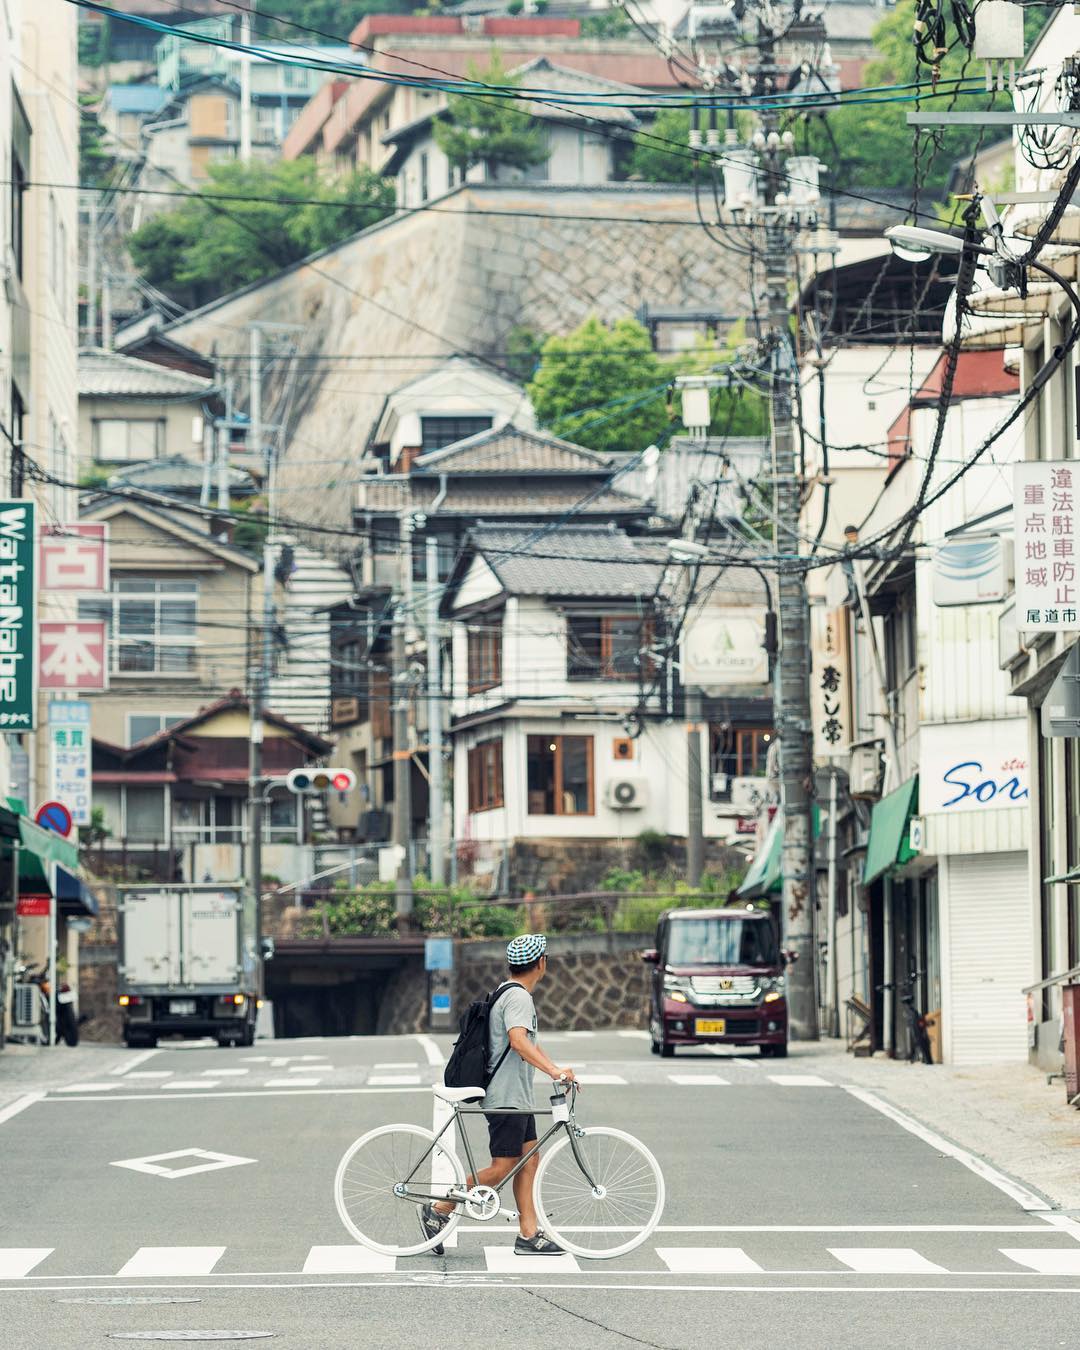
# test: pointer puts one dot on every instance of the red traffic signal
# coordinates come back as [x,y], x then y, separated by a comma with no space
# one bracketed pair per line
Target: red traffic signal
[320,780]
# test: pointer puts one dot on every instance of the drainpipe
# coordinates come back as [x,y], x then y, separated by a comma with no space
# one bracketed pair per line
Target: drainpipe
[832,978]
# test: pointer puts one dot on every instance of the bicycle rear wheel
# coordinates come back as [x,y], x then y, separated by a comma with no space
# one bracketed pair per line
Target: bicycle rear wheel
[614,1217]
[383,1181]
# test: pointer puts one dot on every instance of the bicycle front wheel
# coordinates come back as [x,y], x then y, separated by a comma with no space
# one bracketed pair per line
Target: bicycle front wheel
[612,1216]
[384,1180]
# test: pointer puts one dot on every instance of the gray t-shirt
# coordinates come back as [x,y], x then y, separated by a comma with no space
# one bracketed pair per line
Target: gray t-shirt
[512,1085]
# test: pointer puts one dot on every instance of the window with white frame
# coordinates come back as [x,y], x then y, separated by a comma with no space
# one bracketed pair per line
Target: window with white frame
[141,725]
[208,820]
[128,438]
[151,625]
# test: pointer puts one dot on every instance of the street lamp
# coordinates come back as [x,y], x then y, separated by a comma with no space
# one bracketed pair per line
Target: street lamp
[914,244]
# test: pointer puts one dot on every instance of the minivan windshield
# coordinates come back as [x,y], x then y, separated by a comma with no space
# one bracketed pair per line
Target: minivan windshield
[721,942]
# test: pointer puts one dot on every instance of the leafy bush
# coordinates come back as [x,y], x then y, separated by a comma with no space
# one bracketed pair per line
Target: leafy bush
[372,912]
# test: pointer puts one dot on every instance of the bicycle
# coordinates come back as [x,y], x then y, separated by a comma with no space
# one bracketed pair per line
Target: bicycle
[918,1037]
[598,1191]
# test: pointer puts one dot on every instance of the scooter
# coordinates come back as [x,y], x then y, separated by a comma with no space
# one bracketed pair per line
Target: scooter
[67,1023]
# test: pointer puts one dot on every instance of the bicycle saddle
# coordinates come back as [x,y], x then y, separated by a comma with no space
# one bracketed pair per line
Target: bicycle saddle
[464,1094]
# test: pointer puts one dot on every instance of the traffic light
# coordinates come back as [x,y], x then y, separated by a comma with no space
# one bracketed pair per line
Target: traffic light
[302,781]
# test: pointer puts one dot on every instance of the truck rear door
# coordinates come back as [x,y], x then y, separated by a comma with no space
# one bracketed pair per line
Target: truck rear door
[211,926]
[151,939]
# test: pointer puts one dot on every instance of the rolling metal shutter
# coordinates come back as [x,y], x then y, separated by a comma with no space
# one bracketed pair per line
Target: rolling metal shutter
[987,915]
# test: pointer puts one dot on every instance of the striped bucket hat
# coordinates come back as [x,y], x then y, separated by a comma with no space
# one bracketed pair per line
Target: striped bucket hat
[522,951]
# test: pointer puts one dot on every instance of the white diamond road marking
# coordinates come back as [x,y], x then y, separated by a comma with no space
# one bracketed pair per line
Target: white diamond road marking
[799,1080]
[394,1080]
[89,1087]
[173,1261]
[15,1262]
[699,1080]
[206,1162]
[886,1261]
[292,1082]
[189,1083]
[708,1261]
[348,1261]
[503,1260]
[1046,1260]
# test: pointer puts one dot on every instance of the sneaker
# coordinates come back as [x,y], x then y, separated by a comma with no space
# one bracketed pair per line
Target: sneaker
[432,1222]
[537,1245]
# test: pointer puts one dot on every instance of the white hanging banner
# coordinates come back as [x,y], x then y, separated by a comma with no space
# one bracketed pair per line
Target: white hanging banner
[1046,514]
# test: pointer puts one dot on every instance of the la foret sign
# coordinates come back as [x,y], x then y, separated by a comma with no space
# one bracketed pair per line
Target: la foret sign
[1046,507]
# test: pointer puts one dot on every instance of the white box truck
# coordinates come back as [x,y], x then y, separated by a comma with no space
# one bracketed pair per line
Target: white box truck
[187,963]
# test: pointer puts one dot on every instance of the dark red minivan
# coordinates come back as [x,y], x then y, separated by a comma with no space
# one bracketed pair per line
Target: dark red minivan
[717,979]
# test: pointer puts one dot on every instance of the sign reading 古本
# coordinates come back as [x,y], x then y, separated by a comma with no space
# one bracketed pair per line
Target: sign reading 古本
[18,638]
[1046,517]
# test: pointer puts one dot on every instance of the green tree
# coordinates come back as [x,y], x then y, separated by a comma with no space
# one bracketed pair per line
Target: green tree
[200,250]
[656,162]
[96,162]
[602,387]
[490,131]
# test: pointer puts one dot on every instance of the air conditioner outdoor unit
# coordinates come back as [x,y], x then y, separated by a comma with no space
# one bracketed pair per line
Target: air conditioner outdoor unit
[865,773]
[626,794]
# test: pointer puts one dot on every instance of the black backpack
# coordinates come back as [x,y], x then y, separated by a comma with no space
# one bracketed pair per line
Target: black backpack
[467,1065]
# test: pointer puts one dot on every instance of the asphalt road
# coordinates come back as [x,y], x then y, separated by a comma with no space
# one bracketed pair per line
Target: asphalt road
[801,1212]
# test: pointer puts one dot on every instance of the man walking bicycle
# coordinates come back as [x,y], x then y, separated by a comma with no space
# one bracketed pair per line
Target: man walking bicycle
[513,1056]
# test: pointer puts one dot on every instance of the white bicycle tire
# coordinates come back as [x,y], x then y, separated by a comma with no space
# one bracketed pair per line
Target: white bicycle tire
[565,1241]
[390,1249]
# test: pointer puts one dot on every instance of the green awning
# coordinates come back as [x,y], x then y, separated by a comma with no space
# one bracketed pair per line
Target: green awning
[38,848]
[764,873]
[888,842]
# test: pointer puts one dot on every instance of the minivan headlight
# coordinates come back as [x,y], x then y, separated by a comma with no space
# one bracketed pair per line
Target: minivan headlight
[773,988]
[677,987]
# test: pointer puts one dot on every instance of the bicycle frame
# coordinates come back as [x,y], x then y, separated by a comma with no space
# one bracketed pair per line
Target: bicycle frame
[570,1126]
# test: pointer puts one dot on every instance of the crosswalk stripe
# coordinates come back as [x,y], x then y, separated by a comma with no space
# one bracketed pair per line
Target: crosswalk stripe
[1046,1260]
[504,1261]
[15,1262]
[89,1087]
[708,1261]
[294,1082]
[173,1261]
[601,1080]
[886,1261]
[699,1080]
[405,1064]
[225,1073]
[394,1080]
[798,1080]
[348,1261]
[307,1068]
[189,1083]
[152,1073]
[633,1035]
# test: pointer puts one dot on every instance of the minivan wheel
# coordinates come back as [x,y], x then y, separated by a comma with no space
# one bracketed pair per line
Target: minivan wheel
[774,1051]
[666,1050]
[654,1046]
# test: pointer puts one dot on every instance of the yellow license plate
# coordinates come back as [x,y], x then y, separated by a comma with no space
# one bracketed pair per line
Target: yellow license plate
[710,1026]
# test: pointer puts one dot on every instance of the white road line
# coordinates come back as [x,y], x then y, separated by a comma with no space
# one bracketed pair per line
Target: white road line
[401,1064]
[799,1080]
[173,1261]
[189,1084]
[1024,1198]
[430,1047]
[293,1082]
[601,1080]
[1045,1260]
[503,1261]
[886,1261]
[348,1261]
[16,1262]
[802,1228]
[12,1109]
[143,1074]
[226,1073]
[89,1087]
[699,1080]
[578,1035]
[633,1035]
[1062,1221]
[307,1068]
[134,1062]
[708,1261]
[248,1093]
[394,1079]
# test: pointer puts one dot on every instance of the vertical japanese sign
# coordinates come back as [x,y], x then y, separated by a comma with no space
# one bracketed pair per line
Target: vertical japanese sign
[830,682]
[69,757]
[1045,506]
[18,617]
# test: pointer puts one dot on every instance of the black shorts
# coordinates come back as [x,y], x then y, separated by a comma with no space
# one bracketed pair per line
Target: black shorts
[508,1135]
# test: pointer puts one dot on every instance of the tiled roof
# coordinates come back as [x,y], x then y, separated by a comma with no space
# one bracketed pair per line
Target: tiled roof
[510,449]
[589,562]
[105,374]
[176,475]
[391,494]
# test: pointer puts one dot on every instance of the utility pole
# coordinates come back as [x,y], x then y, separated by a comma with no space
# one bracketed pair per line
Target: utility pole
[106,311]
[436,844]
[245,87]
[791,687]
[92,275]
[261,665]
[695,841]
[399,694]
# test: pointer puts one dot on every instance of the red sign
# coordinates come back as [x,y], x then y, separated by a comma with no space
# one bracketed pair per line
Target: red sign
[74,558]
[54,816]
[33,906]
[746,825]
[72,656]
